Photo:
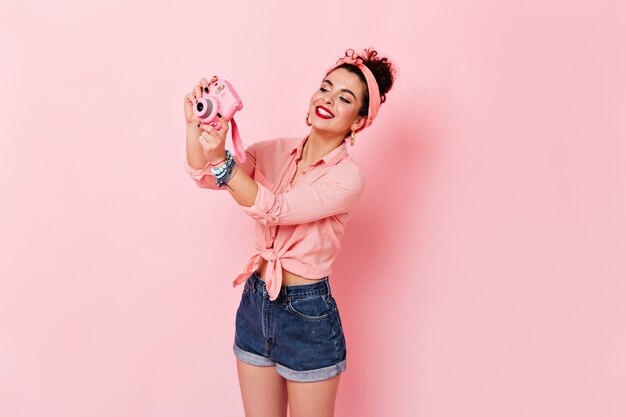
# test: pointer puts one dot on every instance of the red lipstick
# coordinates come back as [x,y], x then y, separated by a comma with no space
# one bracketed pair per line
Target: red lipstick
[323,113]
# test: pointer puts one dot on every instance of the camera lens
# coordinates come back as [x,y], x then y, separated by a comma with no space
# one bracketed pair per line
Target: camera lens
[204,107]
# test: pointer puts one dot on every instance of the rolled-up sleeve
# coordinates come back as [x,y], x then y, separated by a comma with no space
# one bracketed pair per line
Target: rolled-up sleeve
[205,179]
[334,193]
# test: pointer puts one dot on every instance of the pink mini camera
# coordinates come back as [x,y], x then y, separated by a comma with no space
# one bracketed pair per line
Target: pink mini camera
[223,99]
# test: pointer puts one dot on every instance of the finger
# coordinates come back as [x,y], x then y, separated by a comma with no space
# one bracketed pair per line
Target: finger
[204,144]
[206,136]
[210,130]
[218,135]
[223,126]
[190,97]
[197,91]
[224,123]
[204,84]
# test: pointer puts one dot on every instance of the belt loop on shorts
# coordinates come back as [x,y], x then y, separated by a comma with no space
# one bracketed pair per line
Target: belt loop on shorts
[327,285]
[283,295]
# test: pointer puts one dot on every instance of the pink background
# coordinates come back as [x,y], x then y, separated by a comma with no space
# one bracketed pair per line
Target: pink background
[482,275]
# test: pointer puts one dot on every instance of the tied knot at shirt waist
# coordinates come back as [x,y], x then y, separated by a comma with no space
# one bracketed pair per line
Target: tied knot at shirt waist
[269,255]
[273,270]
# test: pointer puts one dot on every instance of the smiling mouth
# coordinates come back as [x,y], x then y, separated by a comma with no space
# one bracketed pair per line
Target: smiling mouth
[323,112]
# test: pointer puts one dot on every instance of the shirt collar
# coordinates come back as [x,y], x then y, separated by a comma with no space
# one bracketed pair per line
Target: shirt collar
[331,158]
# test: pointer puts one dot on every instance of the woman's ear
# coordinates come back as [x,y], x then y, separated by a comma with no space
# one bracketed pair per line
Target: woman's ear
[358,123]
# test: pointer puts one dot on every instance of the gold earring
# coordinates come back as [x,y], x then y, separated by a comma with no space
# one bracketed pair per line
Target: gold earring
[308,123]
[352,138]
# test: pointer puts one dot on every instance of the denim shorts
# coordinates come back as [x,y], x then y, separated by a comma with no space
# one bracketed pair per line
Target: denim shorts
[299,333]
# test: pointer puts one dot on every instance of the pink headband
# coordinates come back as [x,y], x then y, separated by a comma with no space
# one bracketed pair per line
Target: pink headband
[372,85]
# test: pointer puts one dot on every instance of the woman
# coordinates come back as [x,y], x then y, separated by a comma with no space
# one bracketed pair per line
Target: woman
[289,342]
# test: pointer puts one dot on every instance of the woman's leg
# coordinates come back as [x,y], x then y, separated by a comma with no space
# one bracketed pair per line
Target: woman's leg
[313,399]
[263,391]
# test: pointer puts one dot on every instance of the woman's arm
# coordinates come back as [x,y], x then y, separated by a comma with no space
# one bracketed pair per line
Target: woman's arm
[205,179]
[336,192]
[198,164]
[242,187]
[195,156]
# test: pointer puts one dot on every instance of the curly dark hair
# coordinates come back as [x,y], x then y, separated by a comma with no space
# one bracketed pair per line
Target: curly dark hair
[382,69]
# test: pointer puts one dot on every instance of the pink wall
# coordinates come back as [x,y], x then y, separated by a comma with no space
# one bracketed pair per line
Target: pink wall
[483,274]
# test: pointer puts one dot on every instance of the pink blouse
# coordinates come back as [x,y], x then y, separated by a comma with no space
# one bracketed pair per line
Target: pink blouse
[298,227]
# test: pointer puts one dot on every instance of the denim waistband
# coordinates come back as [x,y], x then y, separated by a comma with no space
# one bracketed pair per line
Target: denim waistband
[294,291]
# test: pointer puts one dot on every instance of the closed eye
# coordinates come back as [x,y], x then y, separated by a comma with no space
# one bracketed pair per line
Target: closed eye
[325,90]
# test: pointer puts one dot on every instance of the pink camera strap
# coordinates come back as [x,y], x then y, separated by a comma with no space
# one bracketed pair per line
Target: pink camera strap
[238,144]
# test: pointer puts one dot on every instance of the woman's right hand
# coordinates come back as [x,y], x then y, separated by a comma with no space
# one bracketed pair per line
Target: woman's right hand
[190,100]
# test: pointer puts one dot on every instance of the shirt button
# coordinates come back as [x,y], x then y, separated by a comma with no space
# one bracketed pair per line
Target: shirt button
[273,218]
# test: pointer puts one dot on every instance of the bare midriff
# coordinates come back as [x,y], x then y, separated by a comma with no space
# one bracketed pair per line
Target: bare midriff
[289,278]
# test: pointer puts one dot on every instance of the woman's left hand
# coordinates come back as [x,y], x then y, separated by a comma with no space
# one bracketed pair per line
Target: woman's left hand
[213,141]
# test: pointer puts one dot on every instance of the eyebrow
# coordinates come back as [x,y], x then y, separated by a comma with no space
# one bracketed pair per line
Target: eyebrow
[343,89]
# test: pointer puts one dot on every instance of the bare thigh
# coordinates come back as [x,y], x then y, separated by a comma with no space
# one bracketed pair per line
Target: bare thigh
[313,399]
[263,391]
